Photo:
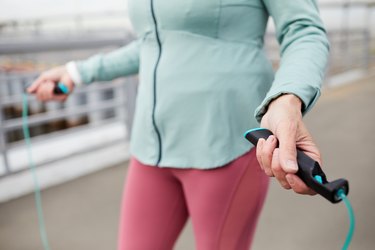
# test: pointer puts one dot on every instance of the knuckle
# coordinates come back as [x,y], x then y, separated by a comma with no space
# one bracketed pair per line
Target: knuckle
[285,185]
[301,190]
[268,172]
[276,168]
[43,76]
[281,179]
[298,191]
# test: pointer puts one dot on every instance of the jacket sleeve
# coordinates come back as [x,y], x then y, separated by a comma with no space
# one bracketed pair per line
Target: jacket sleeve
[104,67]
[304,50]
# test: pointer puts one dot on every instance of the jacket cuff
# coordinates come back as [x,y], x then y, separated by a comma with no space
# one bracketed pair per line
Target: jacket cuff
[73,72]
[309,95]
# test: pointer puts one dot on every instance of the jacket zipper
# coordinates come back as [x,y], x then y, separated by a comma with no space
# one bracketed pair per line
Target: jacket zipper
[155,74]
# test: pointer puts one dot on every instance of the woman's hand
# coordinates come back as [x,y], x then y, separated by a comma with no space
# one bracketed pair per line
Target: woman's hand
[284,119]
[43,86]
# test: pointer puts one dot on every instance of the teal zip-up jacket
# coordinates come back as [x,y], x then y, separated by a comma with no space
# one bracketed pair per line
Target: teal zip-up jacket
[204,76]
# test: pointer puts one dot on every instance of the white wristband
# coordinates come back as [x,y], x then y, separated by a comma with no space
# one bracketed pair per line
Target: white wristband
[73,72]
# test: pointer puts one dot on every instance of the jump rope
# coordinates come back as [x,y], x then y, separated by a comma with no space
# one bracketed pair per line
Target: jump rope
[309,171]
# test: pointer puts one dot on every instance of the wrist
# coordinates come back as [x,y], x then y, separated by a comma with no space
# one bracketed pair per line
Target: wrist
[72,70]
[289,100]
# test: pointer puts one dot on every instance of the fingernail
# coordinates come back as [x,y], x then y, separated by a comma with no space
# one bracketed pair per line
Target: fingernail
[270,138]
[290,180]
[292,165]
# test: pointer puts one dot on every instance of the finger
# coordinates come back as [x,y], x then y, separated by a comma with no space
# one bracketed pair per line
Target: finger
[298,185]
[287,133]
[43,91]
[266,154]
[59,98]
[35,85]
[266,168]
[48,90]
[39,92]
[259,152]
[278,171]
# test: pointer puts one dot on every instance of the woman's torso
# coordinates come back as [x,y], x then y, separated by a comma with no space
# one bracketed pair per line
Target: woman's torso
[203,72]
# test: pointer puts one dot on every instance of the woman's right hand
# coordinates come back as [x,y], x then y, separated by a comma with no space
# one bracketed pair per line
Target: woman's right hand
[43,86]
[284,119]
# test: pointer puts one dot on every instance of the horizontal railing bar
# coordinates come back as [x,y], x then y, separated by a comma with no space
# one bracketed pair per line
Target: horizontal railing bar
[96,147]
[17,99]
[20,75]
[64,18]
[44,45]
[357,3]
[36,119]
[63,132]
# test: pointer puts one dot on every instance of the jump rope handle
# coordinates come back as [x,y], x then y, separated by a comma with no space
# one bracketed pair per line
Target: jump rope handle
[309,170]
[60,89]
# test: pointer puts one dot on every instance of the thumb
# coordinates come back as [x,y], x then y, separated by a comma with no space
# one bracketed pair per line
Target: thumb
[287,134]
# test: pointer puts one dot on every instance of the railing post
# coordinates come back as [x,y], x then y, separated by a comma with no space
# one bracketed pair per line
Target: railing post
[345,33]
[366,49]
[367,38]
[3,144]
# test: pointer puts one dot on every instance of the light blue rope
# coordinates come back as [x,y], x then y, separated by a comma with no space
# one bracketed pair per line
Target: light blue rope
[349,236]
[38,197]
[341,194]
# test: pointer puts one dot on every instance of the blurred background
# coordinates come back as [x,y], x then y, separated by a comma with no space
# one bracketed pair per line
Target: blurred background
[81,147]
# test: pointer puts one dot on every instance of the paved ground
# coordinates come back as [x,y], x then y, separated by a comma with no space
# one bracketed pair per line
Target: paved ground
[83,214]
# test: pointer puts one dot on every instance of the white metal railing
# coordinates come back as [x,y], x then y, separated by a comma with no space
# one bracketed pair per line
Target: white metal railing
[93,105]
[68,24]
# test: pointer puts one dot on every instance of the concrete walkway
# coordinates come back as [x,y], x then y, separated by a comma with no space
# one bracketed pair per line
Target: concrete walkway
[83,214]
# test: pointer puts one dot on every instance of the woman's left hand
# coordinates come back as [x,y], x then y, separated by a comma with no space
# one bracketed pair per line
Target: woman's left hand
[284,119]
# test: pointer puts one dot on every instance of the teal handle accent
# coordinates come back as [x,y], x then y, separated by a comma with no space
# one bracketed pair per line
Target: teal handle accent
[252,130]
[319,179]
[63,88]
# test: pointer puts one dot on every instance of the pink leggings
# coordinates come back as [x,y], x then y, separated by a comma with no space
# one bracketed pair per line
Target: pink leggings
[224,205]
